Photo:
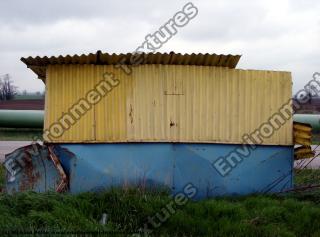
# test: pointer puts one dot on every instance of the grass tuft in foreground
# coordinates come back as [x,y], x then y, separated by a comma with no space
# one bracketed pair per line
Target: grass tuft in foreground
[128,211]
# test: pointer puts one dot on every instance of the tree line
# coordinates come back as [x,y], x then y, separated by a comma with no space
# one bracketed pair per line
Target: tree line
[7,89]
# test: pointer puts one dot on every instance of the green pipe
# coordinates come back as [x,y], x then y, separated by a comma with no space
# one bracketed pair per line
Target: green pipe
[35,118]
[312,119]
[21,118]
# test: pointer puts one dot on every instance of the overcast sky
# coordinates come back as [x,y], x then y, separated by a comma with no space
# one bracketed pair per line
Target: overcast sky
[269,34]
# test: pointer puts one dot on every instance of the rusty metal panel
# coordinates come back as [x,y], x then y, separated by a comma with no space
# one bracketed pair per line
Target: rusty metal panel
[170,103]
[32,168]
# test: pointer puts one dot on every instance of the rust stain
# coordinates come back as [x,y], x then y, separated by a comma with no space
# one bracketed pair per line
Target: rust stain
[29,178]
[30,175]
[63,184]
[131,114]
[172,123]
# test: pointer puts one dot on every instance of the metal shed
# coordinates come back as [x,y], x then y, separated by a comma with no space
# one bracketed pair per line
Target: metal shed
[170,98]
[166,121]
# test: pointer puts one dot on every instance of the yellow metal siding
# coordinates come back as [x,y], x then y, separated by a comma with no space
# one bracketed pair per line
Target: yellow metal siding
[174,103]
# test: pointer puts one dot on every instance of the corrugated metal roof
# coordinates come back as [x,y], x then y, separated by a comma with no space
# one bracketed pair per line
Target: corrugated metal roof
[39,64]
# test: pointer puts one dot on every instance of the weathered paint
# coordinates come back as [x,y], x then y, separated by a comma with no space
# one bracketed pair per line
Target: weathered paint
[302,135]
[94,167]
[30,168]
[169,103]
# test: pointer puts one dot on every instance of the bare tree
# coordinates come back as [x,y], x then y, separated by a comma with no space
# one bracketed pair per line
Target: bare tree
[7,89]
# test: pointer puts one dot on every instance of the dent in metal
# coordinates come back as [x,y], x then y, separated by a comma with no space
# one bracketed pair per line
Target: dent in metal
[95,167]
[31,168]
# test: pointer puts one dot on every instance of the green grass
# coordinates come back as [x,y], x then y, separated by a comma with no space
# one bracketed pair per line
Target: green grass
[307,176]
[19,134]
[303,178]
[2,177]
[315,139]
[128,211]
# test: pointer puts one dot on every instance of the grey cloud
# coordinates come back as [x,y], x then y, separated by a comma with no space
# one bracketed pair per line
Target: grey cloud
[303,5]
[270,34]
[236,21]
[40,11]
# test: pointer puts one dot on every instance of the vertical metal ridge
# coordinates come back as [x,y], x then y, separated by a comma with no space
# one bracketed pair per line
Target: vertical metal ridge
[159,103]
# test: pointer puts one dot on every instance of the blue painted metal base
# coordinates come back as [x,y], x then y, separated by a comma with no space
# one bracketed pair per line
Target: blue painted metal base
[93,167]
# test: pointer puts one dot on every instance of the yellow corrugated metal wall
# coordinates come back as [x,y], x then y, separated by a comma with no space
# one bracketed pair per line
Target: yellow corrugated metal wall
[169,103]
